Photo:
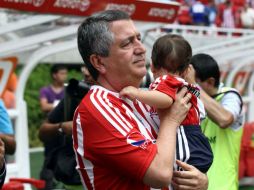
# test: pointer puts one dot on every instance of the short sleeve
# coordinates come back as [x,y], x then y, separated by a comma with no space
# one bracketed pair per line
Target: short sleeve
[5,122]
[232,103]
[43,92]
[113,138]
[168,85]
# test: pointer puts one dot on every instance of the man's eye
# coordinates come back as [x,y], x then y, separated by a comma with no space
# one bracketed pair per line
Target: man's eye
[126,43]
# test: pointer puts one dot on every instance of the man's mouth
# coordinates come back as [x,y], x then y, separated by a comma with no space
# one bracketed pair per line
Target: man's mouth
[139,60]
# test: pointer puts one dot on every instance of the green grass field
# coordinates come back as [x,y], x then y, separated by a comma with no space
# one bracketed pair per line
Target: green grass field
[36,161]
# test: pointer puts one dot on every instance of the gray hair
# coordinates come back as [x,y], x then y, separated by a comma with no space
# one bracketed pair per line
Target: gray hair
[95,36]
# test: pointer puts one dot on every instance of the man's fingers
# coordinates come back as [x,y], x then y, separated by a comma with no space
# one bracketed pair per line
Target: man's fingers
[182,92]
[187,98]
[185,166]
[182,187]
[183,174]
[191,178]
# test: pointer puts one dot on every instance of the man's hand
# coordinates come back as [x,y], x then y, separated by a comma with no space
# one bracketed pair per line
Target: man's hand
[179,108]
[2,152]
[190,179]
[67,127]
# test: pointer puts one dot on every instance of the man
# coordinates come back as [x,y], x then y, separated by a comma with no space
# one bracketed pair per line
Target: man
[50,96]
[223,126]
[7,140]
[114,138]
[58,127]
[247,16]
[6,130]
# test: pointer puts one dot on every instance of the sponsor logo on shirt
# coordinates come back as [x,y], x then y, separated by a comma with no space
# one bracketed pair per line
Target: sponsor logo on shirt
[138,140]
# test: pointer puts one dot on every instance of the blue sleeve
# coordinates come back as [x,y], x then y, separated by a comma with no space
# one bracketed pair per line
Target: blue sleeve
[5,122]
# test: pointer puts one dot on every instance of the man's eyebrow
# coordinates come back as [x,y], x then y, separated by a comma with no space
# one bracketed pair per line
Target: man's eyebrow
[131,38]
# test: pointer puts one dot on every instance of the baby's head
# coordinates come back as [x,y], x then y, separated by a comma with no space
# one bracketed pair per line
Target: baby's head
[171,53]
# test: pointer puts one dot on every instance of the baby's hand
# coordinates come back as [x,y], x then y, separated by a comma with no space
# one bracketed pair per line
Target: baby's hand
[129,92]
[190,75]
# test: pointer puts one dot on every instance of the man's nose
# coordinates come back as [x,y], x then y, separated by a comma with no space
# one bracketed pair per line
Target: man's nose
[139,47]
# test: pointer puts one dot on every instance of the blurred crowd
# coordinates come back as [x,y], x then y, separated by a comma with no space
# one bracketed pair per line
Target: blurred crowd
[220,13]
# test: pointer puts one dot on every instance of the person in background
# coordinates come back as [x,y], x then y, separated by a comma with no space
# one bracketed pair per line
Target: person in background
[116,145]
[247,16]
[183,16]
[58,128]
[223,125]
[50,96]
[199,13]
[171,56]
[6,130]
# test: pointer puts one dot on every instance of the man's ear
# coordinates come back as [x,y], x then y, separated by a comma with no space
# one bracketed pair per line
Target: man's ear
[53,76]
[211,81]
[96,61]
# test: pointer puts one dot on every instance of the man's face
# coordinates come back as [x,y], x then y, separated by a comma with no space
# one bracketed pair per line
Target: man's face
[205,85]
[125,64]
[60,76]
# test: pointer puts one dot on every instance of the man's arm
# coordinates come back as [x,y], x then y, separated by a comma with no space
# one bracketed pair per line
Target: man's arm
[9,142]
[160,171]
[215,111]
[45,105]
[53,126]
[7,132]
[49,131]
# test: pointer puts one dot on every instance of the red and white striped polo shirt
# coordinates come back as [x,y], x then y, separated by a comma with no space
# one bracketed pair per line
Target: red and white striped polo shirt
[114,141]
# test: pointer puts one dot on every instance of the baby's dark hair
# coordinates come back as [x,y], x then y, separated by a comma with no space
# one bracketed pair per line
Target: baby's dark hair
[171,52]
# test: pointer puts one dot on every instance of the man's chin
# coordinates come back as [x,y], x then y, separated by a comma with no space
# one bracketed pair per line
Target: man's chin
[142,72]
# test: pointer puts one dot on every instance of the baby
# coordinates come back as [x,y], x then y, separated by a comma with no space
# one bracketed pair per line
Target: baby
[171,56]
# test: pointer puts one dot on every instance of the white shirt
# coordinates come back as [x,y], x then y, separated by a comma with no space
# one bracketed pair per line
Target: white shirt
[232,103]
[247,18]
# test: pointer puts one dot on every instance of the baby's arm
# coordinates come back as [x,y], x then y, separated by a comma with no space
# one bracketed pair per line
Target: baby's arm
[153,98]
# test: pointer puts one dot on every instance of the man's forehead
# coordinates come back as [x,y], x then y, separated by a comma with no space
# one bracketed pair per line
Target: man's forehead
[123,27]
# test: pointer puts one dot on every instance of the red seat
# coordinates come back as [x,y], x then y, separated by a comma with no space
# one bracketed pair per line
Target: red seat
[17,183]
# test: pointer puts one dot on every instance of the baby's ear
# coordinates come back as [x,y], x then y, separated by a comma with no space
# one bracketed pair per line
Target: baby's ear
[152,66]
[185,72]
